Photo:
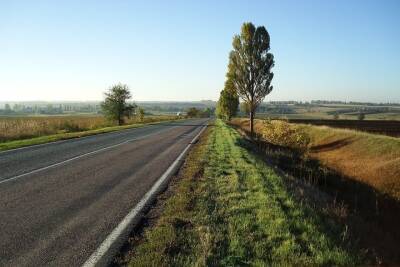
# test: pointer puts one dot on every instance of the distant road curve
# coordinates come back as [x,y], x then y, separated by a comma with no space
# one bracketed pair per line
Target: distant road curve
[59,201]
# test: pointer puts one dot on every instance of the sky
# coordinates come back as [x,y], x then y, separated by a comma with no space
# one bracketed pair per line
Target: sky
[178,50]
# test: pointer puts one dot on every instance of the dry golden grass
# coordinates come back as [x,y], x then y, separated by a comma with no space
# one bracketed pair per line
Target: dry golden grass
[14,128]
[17,128]
[371,159]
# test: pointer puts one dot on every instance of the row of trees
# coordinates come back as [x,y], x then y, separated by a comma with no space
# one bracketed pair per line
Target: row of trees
[249,73]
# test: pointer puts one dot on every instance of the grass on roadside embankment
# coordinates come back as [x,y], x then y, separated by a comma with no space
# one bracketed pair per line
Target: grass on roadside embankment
[63,136]
[231,209]
[371,159]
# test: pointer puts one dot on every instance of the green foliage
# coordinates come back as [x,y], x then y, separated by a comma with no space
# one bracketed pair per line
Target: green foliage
[228,102]
[115,106]
[245,108]
[140,113]
[197,113]
[206,113]
[250,66]
[193,113]
[361,116]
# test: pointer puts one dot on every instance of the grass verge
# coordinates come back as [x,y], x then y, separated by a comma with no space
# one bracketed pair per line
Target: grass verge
[366,158]
[358,170]
[229,208]
[64,136]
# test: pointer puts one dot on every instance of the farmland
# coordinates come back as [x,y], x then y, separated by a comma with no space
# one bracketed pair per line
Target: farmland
[17,128]
[320,110]
[18,132]
[386,127]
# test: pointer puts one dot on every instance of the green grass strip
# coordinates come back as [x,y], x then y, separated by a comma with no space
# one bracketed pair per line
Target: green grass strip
[64,136]
[231,209]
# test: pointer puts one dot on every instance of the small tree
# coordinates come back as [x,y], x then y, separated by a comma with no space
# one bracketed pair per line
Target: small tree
[115,106]
[228,101]
[250,66]
[361,116]
[206,113]
[193,112]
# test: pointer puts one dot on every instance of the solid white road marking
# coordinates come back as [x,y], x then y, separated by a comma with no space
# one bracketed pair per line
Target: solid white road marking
[73,139]
[80,156]
[98,257]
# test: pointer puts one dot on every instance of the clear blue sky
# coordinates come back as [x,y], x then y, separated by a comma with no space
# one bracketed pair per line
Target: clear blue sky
[178,50]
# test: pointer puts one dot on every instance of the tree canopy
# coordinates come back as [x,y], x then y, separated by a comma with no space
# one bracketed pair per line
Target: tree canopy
[115,106]
[250,66]
[228,102]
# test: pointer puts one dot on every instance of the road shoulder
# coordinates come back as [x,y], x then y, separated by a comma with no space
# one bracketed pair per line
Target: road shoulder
[227,207]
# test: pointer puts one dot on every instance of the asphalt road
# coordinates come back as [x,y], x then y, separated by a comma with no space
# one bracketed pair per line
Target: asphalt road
[59,201]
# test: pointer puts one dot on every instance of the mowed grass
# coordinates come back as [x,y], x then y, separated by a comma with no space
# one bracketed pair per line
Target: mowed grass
[231,209]
[16,132]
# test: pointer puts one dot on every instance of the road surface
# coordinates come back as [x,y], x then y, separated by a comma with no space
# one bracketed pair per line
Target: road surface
[59,201]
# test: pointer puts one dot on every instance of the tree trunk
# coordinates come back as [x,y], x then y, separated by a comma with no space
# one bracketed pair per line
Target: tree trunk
[251,124]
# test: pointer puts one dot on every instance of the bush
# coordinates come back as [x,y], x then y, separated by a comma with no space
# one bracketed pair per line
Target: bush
[279,132]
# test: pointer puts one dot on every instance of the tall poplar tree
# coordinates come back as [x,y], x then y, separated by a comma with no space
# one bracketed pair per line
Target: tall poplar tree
[250,65]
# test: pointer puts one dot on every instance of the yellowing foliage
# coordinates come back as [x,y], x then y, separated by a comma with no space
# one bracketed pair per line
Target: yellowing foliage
[281,133]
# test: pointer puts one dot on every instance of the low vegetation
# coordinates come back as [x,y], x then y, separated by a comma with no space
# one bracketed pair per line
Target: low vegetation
[368,158]
[229,208]
[198,113]
[23,131]
[357,169]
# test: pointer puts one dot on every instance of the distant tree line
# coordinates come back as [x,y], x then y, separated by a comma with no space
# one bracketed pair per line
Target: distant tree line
[49,109]
[199,113]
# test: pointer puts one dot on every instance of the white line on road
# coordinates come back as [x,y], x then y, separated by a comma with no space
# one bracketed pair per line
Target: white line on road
[110,245]
[88,136]
[80,156]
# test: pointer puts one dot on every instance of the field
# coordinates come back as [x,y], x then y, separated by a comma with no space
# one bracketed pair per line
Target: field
[16,132]
[387,127]
[320,111]
[17,128]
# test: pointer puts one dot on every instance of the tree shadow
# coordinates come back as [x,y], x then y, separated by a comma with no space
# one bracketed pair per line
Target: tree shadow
[332,145]
[373,218]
